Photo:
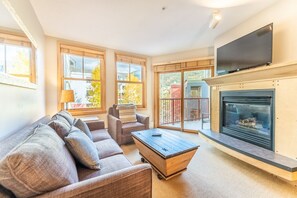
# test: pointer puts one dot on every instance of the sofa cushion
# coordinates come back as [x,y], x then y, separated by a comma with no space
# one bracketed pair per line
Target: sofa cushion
[127,128]
[83,127]
[127,113]
[108,165]
[82,148]
[40,164]
[99,135]
[107,148]
[61,128]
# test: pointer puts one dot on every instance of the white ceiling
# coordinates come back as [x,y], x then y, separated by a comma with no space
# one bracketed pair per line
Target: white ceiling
[6,19]
[141,26]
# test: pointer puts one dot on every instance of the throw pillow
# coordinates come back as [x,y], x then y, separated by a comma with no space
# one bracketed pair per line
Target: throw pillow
[82,148]
[40,164]
[84,128]
[127,113]
[66,116]
[61,128]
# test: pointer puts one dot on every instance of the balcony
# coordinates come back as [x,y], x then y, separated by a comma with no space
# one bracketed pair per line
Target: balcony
[196,111]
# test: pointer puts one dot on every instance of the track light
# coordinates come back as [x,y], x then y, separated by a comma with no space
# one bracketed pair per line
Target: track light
[216,18]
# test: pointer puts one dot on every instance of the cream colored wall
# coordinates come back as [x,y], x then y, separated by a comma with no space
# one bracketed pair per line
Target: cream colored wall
[21,106]
[183,56]
[283,15]
[51,81]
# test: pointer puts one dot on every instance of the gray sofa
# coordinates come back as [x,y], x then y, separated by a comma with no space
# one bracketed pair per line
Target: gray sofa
[116,178]
[121,132]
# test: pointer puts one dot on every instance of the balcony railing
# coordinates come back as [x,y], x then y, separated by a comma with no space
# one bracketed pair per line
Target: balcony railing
[194,108]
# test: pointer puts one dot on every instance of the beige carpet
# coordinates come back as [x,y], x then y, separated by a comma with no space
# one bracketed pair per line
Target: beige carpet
[214,174]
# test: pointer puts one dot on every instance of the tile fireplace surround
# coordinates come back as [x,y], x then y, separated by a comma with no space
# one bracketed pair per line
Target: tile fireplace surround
[282,78]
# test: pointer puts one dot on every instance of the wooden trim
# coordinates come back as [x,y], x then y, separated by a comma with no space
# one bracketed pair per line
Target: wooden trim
[277,71]
[180,66]
[289,176]
[84,111]
[183,60]
[129,59]
[134,59]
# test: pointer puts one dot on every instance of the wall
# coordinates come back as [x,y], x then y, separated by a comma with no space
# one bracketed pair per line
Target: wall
[51,81]
[183,56]
[21,106]
[283,15]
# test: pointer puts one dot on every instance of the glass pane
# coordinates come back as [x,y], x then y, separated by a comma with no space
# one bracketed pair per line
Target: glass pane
[135,73]
[87,93]
[72,66]
[248,118]
[130,93]
[92,68]
[196,99]
[170,99]
[2,61]
[122,71]
[17,60]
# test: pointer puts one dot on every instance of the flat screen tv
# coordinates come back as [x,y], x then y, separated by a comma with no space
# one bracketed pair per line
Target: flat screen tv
[251,50]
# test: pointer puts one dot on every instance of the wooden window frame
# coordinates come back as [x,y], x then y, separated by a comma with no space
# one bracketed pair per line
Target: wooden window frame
[18,39]
[84,51]
[130,59]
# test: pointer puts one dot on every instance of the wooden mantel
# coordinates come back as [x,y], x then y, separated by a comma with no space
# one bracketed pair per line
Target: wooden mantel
[277,71]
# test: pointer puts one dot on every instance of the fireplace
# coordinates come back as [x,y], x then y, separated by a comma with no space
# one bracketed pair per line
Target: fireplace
[248,116]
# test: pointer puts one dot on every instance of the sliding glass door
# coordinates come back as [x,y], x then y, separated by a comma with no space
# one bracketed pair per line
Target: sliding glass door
[170,94]
[183,100]
[196,99]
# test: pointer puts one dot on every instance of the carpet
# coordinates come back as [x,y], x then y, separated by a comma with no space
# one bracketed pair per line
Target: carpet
[214,174]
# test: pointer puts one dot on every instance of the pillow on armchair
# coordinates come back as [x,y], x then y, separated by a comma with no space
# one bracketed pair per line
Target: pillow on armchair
[127,113]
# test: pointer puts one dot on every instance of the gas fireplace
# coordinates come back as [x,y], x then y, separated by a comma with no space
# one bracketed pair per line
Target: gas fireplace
[248,115]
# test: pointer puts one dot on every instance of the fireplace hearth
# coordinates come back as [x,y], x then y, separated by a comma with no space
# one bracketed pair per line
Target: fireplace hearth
[248,116]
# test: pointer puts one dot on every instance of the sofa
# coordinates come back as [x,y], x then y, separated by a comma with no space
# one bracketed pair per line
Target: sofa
[117,177]
[121,132]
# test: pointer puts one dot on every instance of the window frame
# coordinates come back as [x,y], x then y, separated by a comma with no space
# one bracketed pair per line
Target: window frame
[20,40]
[137,60]
[84,51]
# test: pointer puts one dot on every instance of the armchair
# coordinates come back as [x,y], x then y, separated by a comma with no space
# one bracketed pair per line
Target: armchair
[121,132]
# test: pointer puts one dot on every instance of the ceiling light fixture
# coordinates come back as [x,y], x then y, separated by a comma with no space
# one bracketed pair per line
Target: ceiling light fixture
[216,18]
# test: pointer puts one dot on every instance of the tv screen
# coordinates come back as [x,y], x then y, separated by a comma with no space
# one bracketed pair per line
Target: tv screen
[254,49]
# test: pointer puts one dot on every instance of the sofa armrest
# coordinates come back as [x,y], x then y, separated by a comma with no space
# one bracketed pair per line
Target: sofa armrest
[114,128]
[135,181]
[95,125]
[144,120]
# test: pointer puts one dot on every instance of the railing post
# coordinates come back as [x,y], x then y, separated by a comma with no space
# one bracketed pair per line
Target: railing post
[173,112]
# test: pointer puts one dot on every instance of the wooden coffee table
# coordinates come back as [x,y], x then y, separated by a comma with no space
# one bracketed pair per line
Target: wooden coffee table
[168,154]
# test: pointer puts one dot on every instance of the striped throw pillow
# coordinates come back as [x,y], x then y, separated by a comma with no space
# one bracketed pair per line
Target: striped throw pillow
[127,113]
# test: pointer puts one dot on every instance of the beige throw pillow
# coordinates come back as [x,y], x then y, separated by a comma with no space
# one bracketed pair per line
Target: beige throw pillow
[40,164]
[127,113]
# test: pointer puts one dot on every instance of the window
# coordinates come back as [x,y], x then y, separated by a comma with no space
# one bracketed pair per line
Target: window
[83,71]
[17,57]
[130,80]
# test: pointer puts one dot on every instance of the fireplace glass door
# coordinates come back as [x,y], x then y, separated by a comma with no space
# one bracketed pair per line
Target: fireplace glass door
[251,118]
[248,116]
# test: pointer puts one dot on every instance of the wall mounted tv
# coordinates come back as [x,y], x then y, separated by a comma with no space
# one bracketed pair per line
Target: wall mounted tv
[251,50]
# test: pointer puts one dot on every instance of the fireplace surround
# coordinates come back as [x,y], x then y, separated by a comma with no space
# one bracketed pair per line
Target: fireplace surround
[249,116]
